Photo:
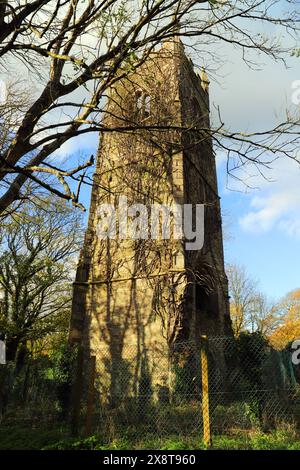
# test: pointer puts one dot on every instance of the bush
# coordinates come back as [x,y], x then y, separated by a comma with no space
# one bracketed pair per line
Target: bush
[239,415]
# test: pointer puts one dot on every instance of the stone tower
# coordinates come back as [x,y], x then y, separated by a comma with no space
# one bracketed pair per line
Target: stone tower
[144,295]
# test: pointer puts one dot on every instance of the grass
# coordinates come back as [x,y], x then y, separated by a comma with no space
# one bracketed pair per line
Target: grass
[55,439]
[16,438]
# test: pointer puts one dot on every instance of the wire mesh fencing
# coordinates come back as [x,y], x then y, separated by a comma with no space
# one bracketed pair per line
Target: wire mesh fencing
[217,385]
[36,393]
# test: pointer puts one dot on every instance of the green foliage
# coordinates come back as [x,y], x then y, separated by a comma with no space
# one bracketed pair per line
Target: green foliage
[175,445]
[257,441]
[63,373]
[247,354]
[63,360]
[37,251]
[41,389]
[90,443]
[235,415]
[57,439]
[230,443]
[18,438]
[275,441]
[295,53]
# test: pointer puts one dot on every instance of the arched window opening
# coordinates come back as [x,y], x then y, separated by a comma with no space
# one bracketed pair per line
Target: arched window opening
[206,302]
[143,104]
[201,298]
[139,100]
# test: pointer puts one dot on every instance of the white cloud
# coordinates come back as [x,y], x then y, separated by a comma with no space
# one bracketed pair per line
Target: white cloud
[278,205]
[82,144]
[252,99]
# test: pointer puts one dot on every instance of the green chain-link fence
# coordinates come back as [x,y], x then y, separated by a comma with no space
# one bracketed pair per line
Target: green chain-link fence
[218,385]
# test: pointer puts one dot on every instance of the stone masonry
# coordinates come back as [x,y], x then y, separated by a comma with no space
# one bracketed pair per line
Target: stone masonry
[136,299]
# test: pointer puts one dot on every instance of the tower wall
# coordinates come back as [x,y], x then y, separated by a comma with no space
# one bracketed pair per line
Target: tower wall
[133,298]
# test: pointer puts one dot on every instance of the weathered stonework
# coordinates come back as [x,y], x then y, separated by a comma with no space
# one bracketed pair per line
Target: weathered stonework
[135,299]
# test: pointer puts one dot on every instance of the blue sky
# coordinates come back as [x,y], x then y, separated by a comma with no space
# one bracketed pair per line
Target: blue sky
[264,223]
[270,252]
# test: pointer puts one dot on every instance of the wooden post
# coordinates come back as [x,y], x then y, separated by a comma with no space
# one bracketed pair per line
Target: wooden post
[77,392]
[90,397]
[205,392]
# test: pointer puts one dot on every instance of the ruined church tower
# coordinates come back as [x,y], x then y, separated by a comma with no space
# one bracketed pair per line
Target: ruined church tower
[145,294]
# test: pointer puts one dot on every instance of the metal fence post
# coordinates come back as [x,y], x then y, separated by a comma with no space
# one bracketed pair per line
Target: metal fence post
[205,392]
[90,397]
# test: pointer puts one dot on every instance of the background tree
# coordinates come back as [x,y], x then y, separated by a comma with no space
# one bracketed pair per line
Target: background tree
[250,310]
[13,105]
[76,51]
[288,328]
[38,247]
[263,316]
[242,291]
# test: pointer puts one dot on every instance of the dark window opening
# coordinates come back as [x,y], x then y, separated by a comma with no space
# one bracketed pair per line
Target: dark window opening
[201,298]
[206,302]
